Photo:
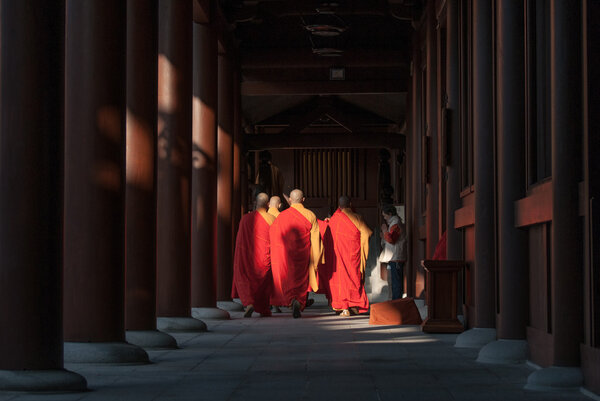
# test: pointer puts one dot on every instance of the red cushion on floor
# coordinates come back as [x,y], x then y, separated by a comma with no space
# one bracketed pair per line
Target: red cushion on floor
[396,312]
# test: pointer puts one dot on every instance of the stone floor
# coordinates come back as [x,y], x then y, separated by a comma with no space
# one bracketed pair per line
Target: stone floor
[318,357]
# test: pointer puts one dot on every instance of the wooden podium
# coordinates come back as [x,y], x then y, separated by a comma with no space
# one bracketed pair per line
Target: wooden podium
[442,296]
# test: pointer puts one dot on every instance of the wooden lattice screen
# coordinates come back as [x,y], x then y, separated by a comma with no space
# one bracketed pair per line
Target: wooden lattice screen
[330,173]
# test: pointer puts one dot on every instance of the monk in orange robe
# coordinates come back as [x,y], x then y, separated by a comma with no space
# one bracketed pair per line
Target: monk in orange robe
[252,278]
[274,206]
[296,251]
[351,245]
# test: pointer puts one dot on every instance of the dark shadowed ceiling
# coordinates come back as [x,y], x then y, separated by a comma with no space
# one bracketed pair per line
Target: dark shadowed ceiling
[287,52]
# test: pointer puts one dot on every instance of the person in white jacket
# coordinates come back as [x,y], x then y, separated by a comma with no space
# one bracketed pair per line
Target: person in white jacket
[393,233]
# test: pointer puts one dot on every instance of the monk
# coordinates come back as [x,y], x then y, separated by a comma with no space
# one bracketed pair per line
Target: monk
[296,251]
[274,206]
[252,276]
[351,245]
[328,266]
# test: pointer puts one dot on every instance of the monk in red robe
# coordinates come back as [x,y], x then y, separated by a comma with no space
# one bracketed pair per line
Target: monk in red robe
[351,245]
[328,266]
[252,278]
[296,251]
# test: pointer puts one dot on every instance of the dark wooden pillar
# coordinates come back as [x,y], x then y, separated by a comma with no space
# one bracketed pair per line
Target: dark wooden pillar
[94,229]
[225,183]
[432,220]
[237,155]
[31,165]
[566,111]
[513,296]
[590,349]
[204,175]
[454,237]
[140,188]
[174,166]
[483,330]
[485,258]
[413,220]
[567,229]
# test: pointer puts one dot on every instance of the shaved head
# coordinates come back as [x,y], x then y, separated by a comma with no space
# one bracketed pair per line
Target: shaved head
[261,200]
[275,202]
[344,202]
[296,196]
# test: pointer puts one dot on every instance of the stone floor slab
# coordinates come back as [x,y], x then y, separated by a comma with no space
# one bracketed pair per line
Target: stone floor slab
[318,357]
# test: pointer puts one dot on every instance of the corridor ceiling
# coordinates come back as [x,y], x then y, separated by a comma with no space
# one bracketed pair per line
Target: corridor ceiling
[354,54]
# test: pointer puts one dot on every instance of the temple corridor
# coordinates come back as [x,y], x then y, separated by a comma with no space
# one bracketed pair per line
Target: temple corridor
[136,135]
[318,357]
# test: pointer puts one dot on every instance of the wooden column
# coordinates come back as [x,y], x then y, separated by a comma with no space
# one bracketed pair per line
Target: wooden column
[237,155]
[225,182]
[31,160]
[513,276]
[567,278]
[454,237]
[567,229]
[140,188]
[204,175]
[512,242]
[174,166]
[432,219]
[590,350]
[485,257]
[94,229]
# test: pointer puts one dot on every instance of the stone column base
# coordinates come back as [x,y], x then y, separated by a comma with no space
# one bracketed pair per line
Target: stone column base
[152,339]
[119,353]
[210,313]
[504,352]
[175,324]
[55,380]
[555,378]
[475,338]
[230,306]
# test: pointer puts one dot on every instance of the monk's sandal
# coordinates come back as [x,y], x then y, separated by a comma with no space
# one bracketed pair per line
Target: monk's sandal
[345,313]
[249,310]
[296,309]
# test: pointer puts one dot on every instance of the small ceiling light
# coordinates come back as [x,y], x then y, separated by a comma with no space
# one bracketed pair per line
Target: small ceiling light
[327,52]
[325,30]
[337,74]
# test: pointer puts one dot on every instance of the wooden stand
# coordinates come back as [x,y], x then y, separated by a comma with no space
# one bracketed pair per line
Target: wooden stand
[442,296]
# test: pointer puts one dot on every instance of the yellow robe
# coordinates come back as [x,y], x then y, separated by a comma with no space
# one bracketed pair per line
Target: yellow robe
[273,211]
[269,218]
[316,245]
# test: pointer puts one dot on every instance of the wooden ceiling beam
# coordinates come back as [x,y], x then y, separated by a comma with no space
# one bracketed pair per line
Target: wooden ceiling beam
[303,58]
[280,9]
[324,141]
[263,88]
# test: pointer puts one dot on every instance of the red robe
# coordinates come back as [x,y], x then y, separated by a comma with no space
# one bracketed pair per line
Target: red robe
[292,255]
[440,249]
[252,279]
[326,268]
[347,289]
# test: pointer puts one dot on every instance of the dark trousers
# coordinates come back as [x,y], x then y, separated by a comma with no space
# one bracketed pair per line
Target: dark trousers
[397,272]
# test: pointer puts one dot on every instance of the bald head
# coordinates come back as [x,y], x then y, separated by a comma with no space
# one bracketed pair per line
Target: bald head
[344,202]
[261,200]
[296,196]
[275,202]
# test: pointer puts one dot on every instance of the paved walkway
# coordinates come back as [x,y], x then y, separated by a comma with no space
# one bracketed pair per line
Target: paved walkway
[318,357]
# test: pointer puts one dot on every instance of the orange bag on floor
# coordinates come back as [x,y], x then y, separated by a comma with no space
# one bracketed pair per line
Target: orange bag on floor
[396,312]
